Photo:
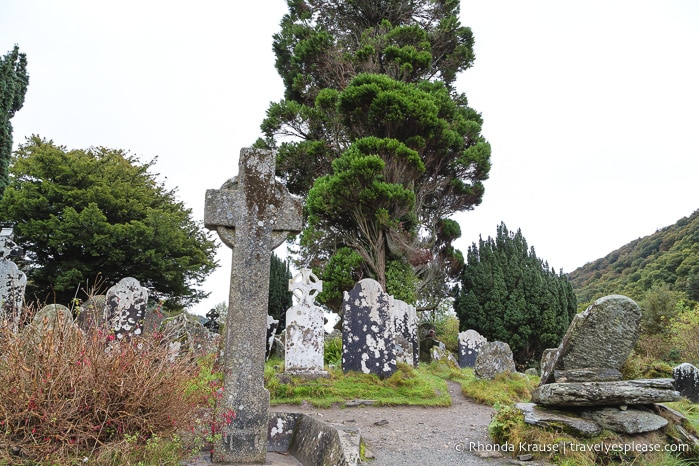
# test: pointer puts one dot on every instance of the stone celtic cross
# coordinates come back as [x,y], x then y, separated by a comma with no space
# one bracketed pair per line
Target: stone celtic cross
[253,214]
[305,286]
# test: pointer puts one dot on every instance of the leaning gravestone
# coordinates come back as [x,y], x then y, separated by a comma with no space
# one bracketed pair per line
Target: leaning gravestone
[686,377]
[252,214]
[405,323]
[599,338]
[470,343]
[305,335]
[12,285]
[368,342]
[495,357]
[125,308]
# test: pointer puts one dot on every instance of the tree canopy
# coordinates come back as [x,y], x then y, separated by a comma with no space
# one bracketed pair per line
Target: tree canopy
[372,130]
[81,213]
[509,294]
[13,87]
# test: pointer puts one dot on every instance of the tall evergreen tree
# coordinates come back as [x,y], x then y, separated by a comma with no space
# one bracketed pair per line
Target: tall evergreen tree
[13,87]
[279,294]
[373,131]
[509,294]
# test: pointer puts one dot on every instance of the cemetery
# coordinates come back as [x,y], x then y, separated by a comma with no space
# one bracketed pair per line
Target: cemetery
[385,344]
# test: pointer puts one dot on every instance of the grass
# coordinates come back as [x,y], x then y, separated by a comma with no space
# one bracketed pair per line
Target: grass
[407,386]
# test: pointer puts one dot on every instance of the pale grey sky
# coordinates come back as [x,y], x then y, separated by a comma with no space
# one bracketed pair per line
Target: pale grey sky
[590,107]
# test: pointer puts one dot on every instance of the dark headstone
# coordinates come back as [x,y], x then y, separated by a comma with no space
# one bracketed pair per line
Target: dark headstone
[90,315]
[368,343]
[470,343]
[686,377]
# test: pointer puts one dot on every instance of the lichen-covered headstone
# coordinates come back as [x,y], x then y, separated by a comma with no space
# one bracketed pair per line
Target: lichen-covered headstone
[125,308]
[495,357]
[12,284]
[53,329]
[305,335]
[686,377]
[405,323]
[183,334]
[368,342]
[470,343]
[253,214]
[601,337]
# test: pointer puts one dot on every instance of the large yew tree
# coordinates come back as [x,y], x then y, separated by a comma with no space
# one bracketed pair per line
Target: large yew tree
[373,132]
[83,213]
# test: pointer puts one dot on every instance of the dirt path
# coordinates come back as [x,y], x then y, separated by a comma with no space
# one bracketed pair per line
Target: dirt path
[413,435]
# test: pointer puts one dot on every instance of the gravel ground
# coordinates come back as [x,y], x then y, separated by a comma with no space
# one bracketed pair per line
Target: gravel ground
[415,435]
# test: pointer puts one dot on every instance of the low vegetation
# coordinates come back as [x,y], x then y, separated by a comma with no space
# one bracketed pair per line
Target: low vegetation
[67,397]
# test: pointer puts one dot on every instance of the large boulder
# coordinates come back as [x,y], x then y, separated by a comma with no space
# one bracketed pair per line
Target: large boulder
[495,357]
[601,337]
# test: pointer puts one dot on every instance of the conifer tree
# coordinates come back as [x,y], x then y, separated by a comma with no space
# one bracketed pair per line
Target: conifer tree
[508,294]
[13,86]
[372,129]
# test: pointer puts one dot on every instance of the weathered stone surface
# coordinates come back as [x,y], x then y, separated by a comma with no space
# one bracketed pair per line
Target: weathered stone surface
[305,335]
[624,392]
[185,335]
[441,355]
[368,342]
[253,214]
[629,421]
[12,284]
[494,358]
[602,336]
[125,308]
[316,442]
[680,428]
[567,422]
[272,325]
[405,326]
[686,377]
[54,322]
[532,371]
[591,374]
[470,343]
[91,313]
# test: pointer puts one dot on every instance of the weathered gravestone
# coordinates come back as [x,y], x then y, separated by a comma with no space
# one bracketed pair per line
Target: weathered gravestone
[53,329]
[253,214]
[405,323]
[368,341]
[189,336]
[12,285]
[598,339]
[686,377]
[470,343]
[91,313]
[125,308]
[304,327]
[495,357]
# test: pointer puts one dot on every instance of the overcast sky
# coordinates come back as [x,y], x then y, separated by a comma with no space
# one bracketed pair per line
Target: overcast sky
[591,108]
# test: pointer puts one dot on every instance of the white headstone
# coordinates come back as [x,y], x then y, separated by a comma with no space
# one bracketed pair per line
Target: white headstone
[305,334]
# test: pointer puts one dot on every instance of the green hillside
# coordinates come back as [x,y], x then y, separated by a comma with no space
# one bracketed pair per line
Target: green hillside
[669,256]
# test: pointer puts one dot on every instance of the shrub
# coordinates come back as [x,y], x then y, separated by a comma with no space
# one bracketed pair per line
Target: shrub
[333,350]
[66,395]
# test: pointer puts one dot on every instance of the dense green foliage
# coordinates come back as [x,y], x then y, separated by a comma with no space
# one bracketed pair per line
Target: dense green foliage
[81,213]
[279,295]
[13,87]
[509,294]
[670,256]
[372,130]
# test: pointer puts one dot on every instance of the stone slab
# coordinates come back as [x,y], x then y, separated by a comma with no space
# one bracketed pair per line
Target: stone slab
[549,418]
[624,392]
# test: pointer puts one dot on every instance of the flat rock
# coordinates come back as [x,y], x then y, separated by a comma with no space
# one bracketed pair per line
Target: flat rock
[588,374]
[623,392]
[543,417]
[630,421]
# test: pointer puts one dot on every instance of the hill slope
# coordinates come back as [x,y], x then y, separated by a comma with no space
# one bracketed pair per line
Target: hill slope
[670,255]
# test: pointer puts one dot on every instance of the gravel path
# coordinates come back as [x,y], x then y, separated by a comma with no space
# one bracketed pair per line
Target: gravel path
[414,435]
